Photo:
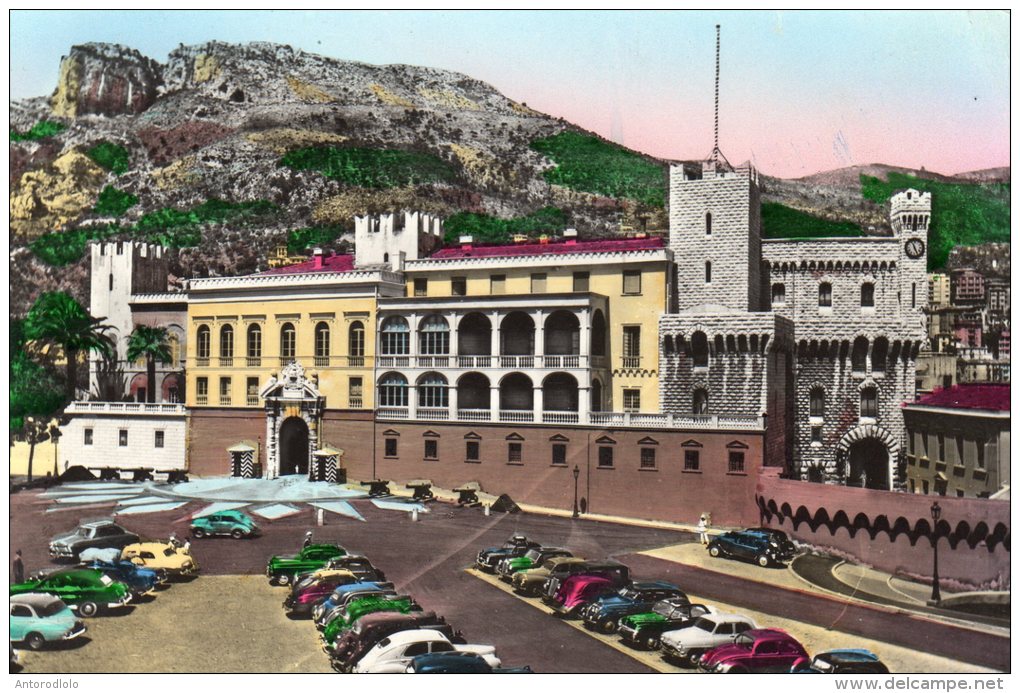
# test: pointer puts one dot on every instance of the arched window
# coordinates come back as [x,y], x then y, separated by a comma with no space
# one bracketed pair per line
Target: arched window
[226,342]
[393,390]
[708,223]
[869,402]
[879,355]
[434,336]
[254,341]
[322,344]
[699,349]
[433,391]
[859,355]
[356,343]
[825,295]
[394,334]
[700,401]
[174,343]
[202,341]
[818,402]
[867,295]
[778,294]
[288,342]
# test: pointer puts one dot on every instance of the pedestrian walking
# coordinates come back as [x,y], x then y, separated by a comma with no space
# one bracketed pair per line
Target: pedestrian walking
[703,530]
[308,540]
[19,567]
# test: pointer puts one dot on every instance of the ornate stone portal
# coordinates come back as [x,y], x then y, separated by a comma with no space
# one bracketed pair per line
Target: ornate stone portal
[292,397]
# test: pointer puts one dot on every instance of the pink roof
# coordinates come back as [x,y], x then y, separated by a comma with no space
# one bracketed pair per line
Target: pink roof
[560,248]
[330,263]
[989,397]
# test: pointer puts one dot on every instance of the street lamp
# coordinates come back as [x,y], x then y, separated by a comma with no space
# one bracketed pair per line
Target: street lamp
[577,473]
[936,595]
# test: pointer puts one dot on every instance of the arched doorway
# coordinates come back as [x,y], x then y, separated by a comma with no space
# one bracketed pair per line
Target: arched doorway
[294,446]
[869,464]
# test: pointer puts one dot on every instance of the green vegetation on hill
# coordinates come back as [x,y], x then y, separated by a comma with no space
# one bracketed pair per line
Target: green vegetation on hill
[961,213]
[371,168]
[110,156]
[488,229]
[42,129]
[300,240]
[780,221]
[589,164]
[113,202]
[64,247]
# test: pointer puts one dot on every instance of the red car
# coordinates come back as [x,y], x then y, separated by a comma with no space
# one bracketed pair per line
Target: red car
[577,591]
[758,651]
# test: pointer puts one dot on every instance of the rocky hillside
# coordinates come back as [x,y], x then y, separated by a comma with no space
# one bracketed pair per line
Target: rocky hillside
[225,151]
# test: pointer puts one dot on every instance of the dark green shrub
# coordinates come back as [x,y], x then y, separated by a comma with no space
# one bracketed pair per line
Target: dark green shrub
[488,229]
[44,128]
[65,247]
[780,221]
[110,156]
[371,168]
[300,240]
[113,202]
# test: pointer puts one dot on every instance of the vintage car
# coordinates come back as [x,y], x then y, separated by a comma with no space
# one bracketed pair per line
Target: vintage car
[351,612]
[392,654]
[748,546]
[757,651]
[301,600]
[371,628]
[577,591]
[303,580]
[779,540]
[177,561]
[645,629]
[604,613]
[140,580]
[83,589]
[326,611]
[529,583]
[227,523]
[458,663]
[533,558]
[516,545]
[843,662]
[281,569]
[37,619]
[686,645]
[357,564]
[617,573]
[101,534]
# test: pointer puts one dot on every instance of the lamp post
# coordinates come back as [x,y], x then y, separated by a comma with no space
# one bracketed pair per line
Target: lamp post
[577,473]
[936,595]
[55,437]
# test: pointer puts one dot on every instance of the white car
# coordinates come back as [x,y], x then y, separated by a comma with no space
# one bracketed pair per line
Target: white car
[686,645]
[392,655]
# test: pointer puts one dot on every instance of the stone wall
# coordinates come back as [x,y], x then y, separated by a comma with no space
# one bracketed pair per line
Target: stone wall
[106,451]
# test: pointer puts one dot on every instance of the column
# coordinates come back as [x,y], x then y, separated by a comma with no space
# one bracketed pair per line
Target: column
[494,402]
[585,337]
[451,395]
[538,403]
[272,462]
[583,403]
[454,320]
[412,401]
[412,343]
[494,345]
[539,317]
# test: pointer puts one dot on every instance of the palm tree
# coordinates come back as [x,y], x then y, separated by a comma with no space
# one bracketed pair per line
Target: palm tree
[152,343]
[57,319]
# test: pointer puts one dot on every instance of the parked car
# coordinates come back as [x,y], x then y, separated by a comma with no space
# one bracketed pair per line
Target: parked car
[37,619]
[141,580]
[516,545]
[748,546]
[105,555]
[357,564]
[645,629]
[350,613]
[303,580]
[458,663]
[177,561]
[529,583]
[392,654]
[326,611]
[533,558]
[757,651]
[102,534]
[785,548]
[85,590]
[843,662]
[371,628]
[229,523]
[300,602]
[617,573]
[604,613]
[577,591]
[281,569]
[686,645]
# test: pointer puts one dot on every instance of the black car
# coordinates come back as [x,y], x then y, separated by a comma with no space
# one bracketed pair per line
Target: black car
[844,662]
[646,629]
[785,548]
[748,546]
[100,534]
[604,613]
[517,545]
[458,663]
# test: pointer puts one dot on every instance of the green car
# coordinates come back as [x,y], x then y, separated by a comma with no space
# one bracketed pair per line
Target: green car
[282,569]
[233,523]
[83,589]
[357,608]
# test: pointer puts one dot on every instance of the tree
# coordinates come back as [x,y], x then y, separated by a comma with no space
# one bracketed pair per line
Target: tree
[152,343]
[57,319]
[34,392]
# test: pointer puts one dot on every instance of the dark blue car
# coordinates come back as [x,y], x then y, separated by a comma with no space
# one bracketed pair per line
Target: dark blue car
[322,610]
[748,546]
[140,580]
[517,545]
[458,663]
[604,613]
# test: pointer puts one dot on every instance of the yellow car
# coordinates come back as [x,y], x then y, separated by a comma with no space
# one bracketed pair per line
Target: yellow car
[174,560]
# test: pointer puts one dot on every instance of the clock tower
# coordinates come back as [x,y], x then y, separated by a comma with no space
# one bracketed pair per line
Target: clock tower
[910,215]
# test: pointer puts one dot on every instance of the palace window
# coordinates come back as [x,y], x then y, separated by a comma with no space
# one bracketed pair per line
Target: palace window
[605,457]
[458,286]
[869,403]
[708,223]
[538,283]
[632,400]
[390,447]
[288,341]
[224,390]
[778,294]
[472,452]
[514,453]
[699,349]
[421,287]
[393,391]
[825,295]
[122,438]
[647,458]
[497,284]
[394,335]
[817,402]
[692,460]
[708,272]
[159,439]
[434,336]
[251,390]
[559,454]
[356,343]
[202,390]
[432,449]
[736,462]
[322,344]
[700,401]
[433,391]
[202,339]
[227,342]
[88,436]
[867,295]
[581,281]
[631,346]
[816,434]
[632,282]
[254,341]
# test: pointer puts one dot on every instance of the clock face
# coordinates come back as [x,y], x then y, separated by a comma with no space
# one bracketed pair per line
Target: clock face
[915,248]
